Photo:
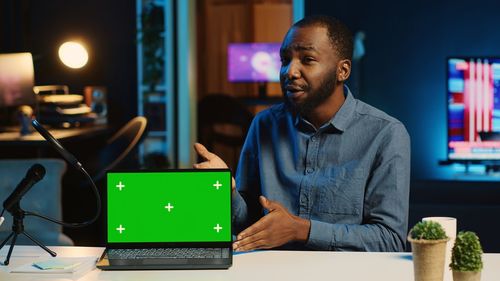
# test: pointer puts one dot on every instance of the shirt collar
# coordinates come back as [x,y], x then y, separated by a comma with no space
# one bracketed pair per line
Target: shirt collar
[339,122]
[342,118]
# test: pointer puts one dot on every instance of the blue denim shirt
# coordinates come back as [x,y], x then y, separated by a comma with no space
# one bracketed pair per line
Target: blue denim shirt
[350,177]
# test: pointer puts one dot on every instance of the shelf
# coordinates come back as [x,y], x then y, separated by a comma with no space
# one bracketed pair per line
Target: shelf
[157,134]
[155,99]
[159,88]
[155,145]
[155,105]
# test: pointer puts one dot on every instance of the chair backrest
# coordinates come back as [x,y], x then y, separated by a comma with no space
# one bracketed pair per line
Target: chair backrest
[220,109]
[120,145]
[223,122]
[43,198]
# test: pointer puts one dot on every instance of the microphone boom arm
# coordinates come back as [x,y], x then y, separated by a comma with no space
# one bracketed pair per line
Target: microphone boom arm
[74,162]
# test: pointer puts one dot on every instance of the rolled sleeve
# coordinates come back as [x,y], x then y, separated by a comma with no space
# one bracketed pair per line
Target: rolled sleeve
[239,209]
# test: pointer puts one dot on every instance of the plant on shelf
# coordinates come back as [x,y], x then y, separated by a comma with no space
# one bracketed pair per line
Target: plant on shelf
[466,257]
[151,35]
[428,244]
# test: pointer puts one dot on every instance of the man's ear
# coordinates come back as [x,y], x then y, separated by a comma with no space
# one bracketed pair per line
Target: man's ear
[343,70]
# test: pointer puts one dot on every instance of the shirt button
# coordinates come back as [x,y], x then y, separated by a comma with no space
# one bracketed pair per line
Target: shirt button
[309,170]
[313,139]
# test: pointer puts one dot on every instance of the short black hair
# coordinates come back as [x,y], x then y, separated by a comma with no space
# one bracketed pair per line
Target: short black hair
[339,34]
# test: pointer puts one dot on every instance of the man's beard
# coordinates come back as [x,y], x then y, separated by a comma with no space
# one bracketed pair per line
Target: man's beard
[314,98]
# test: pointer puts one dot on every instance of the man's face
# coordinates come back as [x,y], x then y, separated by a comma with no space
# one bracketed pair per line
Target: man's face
[308,71]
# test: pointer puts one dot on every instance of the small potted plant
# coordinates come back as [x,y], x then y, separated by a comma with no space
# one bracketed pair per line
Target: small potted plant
[466,257]
[428,244]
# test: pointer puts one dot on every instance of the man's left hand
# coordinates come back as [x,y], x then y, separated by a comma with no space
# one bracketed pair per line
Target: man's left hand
[276,228]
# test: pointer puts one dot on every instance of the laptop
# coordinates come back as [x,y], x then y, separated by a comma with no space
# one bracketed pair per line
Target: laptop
[169,219]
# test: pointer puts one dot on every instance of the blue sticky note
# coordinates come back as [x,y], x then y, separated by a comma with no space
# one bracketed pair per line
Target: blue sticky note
[56,264]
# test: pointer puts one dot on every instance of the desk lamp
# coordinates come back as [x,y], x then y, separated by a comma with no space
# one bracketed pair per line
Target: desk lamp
[73,54]
[64,110]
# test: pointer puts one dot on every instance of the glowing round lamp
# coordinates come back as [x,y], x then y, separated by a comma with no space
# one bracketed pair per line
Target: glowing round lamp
[73,54]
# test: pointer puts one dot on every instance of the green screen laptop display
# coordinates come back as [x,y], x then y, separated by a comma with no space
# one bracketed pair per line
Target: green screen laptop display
[173,206]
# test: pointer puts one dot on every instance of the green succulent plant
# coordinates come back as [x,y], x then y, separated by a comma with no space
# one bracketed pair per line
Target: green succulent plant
[467,252]
[428,230]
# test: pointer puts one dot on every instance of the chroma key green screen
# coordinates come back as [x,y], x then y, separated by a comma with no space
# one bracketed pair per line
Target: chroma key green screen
[171,206]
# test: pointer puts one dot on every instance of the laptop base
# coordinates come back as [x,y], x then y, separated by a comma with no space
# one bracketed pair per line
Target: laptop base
[162,263]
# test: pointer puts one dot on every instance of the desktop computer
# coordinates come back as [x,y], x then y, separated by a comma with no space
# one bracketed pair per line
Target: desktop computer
[50,105]
[16,86]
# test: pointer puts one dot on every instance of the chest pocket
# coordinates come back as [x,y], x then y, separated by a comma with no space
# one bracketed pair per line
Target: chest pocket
[343,192]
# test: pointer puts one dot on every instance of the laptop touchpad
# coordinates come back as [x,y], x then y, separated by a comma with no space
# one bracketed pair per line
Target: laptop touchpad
[159,261]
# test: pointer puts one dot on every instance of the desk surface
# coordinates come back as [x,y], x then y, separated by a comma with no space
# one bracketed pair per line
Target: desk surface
[261,266]
[15,139]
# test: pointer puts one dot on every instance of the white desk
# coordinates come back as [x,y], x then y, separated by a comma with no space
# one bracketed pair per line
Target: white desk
[257,266]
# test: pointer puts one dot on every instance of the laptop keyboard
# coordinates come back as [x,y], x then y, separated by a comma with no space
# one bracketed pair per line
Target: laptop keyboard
[169,253]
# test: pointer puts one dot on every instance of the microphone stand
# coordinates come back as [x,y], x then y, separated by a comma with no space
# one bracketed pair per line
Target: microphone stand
[18,215]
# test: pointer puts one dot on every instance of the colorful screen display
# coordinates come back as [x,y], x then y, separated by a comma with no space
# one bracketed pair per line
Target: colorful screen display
[474,108]
[254,62]
[173,206]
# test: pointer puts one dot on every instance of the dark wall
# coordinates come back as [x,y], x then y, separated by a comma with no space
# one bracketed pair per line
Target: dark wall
[476,205]
[404,70]
[107,28]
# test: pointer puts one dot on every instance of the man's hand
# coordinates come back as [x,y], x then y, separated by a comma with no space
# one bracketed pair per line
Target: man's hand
[278,227]
[212,161]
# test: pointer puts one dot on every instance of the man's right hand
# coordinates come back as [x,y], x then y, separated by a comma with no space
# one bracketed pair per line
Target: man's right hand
[212,161]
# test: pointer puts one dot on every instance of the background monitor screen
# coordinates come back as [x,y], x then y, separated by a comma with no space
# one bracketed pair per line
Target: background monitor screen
[474,108]
[16,80]
[254,62]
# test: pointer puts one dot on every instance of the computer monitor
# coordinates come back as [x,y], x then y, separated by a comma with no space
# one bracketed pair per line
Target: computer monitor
[16,80]
[16,85]
[254,62]
[473,97]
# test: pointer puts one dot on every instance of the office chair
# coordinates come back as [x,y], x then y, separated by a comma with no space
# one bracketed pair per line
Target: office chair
[43,198]
[223,122]
[119,146]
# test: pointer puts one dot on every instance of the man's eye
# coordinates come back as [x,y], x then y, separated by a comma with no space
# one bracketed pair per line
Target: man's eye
[309,59]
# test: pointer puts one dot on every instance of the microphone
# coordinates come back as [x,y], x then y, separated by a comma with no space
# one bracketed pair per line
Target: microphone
[34,175]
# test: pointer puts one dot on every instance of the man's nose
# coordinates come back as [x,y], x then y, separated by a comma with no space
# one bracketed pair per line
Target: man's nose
[293,71]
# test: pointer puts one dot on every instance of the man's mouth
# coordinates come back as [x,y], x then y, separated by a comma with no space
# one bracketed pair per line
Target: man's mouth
[294,92]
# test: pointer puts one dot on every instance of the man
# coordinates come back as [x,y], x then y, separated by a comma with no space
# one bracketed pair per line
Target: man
[329,171]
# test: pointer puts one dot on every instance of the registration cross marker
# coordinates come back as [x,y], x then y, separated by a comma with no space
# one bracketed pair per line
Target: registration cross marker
[169,207]
[217,184]
[120,229]
[120,185]
[217,228]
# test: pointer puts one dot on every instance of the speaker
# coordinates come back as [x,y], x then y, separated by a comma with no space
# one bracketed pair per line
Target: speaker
[95,98]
